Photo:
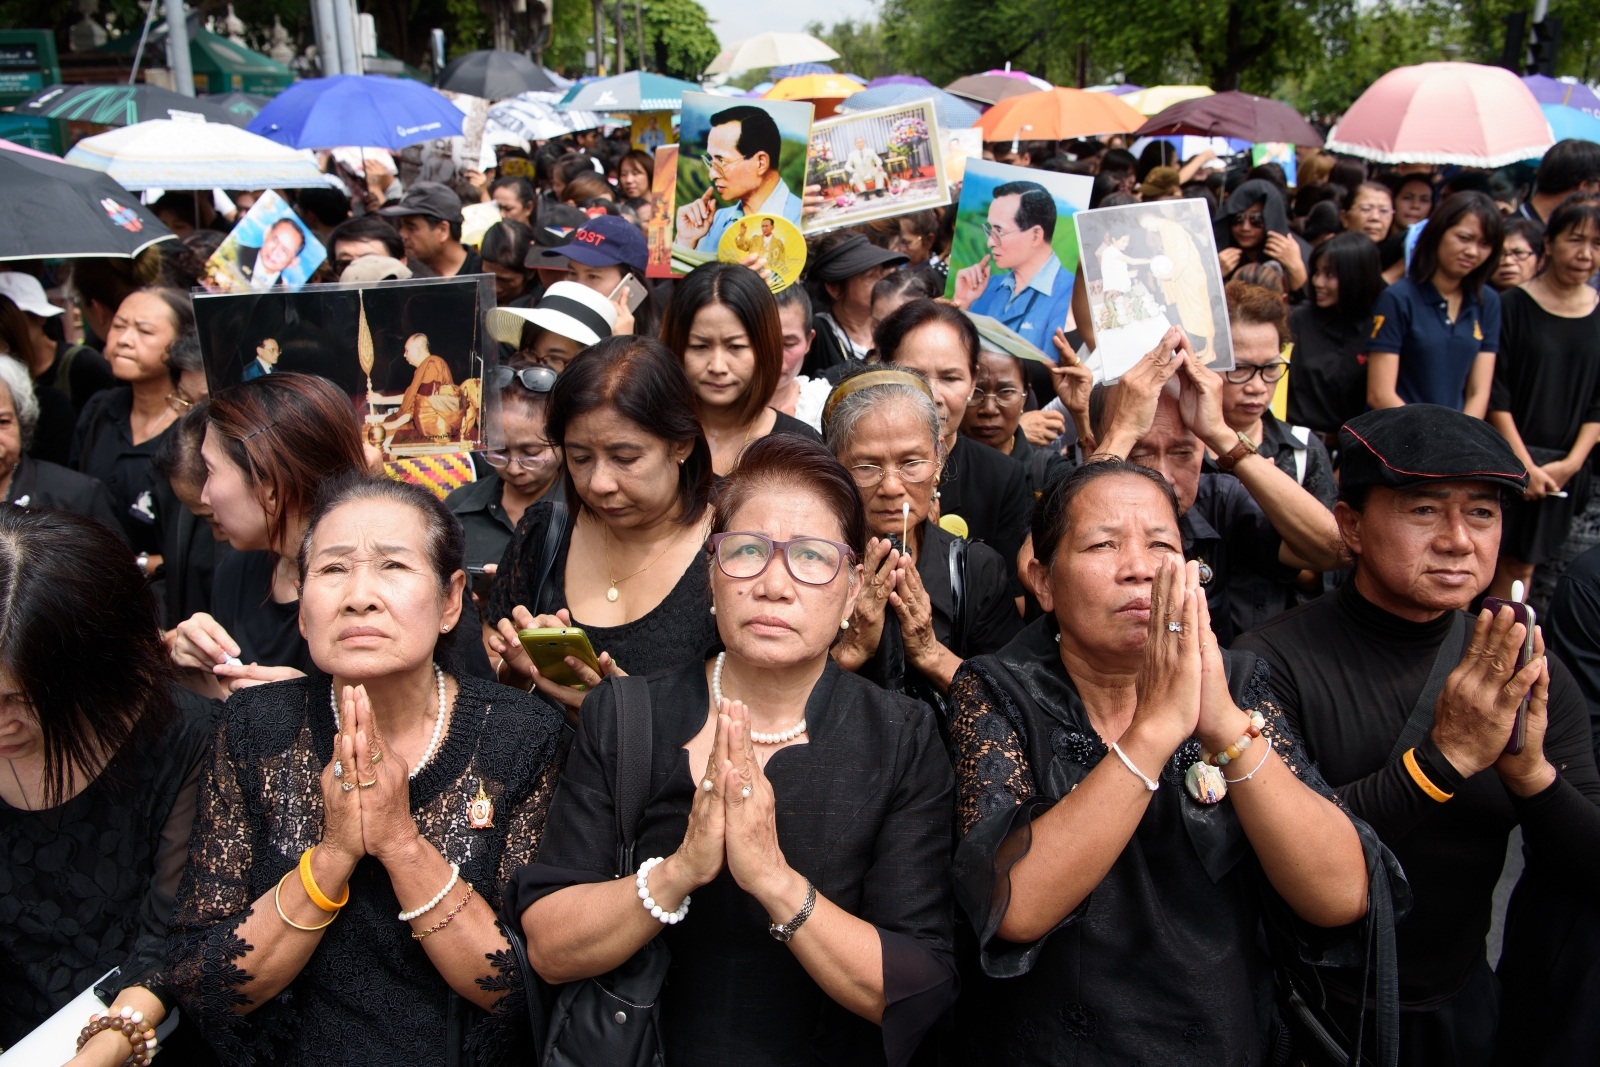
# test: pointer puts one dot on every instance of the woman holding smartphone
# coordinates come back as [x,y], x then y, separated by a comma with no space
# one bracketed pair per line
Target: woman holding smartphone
[620,558]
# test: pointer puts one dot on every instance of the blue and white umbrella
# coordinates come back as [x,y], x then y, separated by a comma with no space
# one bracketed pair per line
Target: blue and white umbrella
[631,92]
[366,110]
[534,117]
[952,112]
[167,154]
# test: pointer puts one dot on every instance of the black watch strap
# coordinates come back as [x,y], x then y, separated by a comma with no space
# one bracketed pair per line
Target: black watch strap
[784,931]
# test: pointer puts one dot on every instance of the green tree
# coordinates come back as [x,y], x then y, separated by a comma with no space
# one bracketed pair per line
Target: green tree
[862,46]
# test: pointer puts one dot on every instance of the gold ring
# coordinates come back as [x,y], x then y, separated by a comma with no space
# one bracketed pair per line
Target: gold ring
[377,758]
[368,785]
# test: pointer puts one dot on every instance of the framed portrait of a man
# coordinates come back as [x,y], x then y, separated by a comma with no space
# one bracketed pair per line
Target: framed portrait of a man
[270,248]
[875,165]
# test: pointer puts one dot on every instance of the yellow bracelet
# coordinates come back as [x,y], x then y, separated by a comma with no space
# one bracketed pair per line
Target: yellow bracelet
[1415,770]
[309,881]
[277,899]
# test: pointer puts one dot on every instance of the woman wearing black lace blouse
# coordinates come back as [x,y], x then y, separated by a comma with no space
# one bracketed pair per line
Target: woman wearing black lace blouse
[353,831]
[806,810]
[100,745]
[1117,898]
[626,567]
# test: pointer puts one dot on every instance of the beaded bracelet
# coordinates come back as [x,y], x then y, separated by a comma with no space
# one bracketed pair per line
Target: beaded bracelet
[455,874]
[1258,722]
[130,1024]
[642,882]
[442,923]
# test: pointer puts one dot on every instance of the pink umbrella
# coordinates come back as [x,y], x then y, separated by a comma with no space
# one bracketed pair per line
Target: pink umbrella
[1450,113]
[12,146]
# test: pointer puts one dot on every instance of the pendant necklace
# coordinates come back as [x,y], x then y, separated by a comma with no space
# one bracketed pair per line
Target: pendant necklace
[605,541]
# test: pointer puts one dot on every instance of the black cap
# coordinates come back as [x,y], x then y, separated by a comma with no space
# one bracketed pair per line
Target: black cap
[427,198]
[1401,448]
[850,257]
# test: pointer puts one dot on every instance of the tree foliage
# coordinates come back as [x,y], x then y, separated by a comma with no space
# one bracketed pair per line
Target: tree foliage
[862,47]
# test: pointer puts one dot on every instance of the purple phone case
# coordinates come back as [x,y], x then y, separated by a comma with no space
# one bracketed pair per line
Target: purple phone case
[1529,618]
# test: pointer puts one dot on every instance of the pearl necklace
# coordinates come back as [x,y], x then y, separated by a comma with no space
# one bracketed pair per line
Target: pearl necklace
[755,735]
[438,722]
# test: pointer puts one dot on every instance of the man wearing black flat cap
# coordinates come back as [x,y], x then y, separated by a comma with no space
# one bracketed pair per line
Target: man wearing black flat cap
[1406,703]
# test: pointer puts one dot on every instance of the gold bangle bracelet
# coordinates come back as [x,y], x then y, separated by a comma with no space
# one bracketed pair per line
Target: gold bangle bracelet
[1415,770]
[277,900]
[308,882]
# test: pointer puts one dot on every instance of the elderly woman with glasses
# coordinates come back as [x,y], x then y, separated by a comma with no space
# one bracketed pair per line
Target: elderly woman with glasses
[795,842]
[1254,225]
[930,598]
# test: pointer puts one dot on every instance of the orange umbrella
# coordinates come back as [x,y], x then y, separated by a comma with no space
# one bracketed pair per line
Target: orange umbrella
[825,89]
[1057,115]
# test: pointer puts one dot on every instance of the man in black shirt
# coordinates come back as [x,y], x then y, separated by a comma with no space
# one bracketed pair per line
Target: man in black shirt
[1420,510]
[1249,515]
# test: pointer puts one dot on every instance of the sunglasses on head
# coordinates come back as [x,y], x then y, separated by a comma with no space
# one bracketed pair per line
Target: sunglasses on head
[533,379]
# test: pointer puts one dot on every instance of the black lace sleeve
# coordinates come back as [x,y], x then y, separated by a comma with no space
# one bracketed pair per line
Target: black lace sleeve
[518,570]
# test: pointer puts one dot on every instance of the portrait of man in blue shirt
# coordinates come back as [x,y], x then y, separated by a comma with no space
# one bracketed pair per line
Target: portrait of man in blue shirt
[1035,297]
[742,153]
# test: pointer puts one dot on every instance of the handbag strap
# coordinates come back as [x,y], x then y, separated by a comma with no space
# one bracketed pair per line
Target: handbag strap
[634,743]
[554,534]
[1421,720]
[958,596]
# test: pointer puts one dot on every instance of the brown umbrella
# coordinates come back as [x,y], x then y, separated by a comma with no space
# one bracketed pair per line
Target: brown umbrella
[1233,114]
[989,88]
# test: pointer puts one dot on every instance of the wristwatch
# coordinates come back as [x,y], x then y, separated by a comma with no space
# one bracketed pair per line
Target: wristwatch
[784,931]
[143,560]
[1245,447]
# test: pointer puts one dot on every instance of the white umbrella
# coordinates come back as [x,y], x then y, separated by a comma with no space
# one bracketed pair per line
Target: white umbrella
[533,117]
[770,50]
[169,154]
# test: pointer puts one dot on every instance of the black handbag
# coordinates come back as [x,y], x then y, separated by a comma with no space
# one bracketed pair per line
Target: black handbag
[611,1019]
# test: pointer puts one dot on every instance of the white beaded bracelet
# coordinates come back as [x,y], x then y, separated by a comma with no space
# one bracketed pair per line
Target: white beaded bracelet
[455,875]
[656,911]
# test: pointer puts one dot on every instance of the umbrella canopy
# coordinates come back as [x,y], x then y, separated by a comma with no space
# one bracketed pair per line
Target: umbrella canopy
[899,79]
[12,146]
[493,75]
[794,70]
[1460,113]
[952,112]
[1117,90]
[1158,98]
[1570,123]
[989,88]
[1234,114]
[534,117]
[163,154]
[814,87]
[1573,94]
[364,110]
[633,91]
[1189,146]
[122,105]
[1057,115]
[53,210]
[246,105]
[770,50]
[1021,75]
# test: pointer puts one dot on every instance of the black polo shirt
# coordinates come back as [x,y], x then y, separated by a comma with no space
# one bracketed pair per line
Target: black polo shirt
[103,448]
[484,520]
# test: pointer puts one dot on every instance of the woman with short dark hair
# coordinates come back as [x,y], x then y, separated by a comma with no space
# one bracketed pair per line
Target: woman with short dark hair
[102,747]
[505,252]
[1329,384]
[723,323]
[792,800]
[619,556]
[1435,331]
[1521,253]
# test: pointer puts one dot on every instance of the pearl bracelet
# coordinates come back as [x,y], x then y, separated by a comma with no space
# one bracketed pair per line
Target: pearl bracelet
[455,874]
[1258,722]
[642,880]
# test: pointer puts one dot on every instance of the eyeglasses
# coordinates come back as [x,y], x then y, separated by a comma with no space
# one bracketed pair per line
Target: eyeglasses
[996,233]
[1243,372]
[178,403]
[866,475]
[1005,398]
[811,560]
[502,460]
[720,164]
[533,379]
[1518,254]
[1255,221]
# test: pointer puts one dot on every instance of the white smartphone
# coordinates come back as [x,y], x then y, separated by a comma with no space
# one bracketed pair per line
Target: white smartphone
[635,290]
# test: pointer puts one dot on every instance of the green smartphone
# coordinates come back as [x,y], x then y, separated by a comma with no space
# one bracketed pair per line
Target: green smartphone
[549,647]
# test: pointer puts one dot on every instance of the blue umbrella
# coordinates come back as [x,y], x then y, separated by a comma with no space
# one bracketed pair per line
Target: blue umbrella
[633,91]
[952,112]
[795,70]
[359,110]
[1569,122]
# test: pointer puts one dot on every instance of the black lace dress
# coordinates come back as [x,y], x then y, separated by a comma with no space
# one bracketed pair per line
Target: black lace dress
[369,994]
[88,885]
[1163,962]
[674,630]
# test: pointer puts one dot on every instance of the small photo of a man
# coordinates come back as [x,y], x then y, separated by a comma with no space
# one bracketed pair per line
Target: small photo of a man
[742,156]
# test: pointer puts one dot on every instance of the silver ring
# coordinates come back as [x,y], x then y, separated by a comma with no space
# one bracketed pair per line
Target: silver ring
[338,769]
[1175,627]
[346,786]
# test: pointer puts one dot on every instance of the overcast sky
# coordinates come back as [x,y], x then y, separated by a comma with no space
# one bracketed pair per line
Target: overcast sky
[737,19]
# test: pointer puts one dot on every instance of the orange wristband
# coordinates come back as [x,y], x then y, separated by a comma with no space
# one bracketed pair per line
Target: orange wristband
[318,897]
[1415,770]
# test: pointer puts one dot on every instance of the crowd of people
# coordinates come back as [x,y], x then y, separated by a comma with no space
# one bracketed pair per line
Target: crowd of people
[946,706]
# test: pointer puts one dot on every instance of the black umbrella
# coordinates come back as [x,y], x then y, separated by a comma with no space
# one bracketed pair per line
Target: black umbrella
[122,105]
[247,105]
[494,75]
[54,210]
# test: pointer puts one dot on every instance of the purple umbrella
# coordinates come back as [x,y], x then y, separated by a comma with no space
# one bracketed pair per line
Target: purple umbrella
[899,79]
[1233,114]
[1568,94]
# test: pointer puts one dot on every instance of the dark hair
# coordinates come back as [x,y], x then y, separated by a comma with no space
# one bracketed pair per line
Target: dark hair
[1035,206]
[1106,185]
[517,184]
[1118,161]
[1052,515]
[796,296]
[505,244]
[1348,173]
[1270,172]
[740,290]
[1527,229]
[15,333]
[290,432]
[913,284]
[643,159]
[757,132]
[1467,181]
[1397,182]
[791,463]
[107,281]
[177,454]
[1262,274]
[367,228]
[328,205]
[1118,199]
[1322,221]
[1425,259]
[184,355]
[1258,305]
[892,331]
[80,636]
[515,392]
[1157,153]
[1354,260]
[644,382]
[587,187]
[444,542]
[1566,166]
[1309,196]
[1571,214]
[1372,187]
[183,262]
[571,165]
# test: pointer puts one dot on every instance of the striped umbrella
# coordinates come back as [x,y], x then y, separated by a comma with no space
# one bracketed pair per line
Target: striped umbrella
[634,91]
[952,112]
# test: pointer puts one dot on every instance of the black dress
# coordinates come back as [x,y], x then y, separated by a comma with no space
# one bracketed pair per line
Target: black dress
[40,484]
[1547,377]
[103,448]
[369,994]
[88,885]
[675,629]
[1162,962]
[1328,377]
[990,491]
[863,810]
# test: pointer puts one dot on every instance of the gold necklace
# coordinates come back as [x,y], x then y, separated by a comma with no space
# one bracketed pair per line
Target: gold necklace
[605,542]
